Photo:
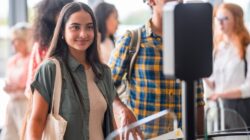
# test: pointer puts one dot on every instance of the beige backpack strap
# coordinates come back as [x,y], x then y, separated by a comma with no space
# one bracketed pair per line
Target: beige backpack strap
[134,49]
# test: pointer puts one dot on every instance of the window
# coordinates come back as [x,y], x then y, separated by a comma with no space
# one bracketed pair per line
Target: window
[132,13]
[4,51]
[3,36]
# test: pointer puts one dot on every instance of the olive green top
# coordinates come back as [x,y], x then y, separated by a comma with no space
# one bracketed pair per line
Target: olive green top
[71,109]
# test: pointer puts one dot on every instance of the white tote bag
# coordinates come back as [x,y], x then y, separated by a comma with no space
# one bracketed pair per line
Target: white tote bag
[55,124]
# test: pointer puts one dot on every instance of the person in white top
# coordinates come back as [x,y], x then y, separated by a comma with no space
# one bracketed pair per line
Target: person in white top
[230,80]
[107,22]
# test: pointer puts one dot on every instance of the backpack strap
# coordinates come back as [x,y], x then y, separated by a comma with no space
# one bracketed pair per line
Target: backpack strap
[134,48]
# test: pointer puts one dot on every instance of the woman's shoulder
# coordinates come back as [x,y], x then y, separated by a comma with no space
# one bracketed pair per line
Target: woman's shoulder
[47,64]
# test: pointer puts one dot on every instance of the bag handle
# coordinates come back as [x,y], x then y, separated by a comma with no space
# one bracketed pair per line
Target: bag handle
[55,99]
[55,104]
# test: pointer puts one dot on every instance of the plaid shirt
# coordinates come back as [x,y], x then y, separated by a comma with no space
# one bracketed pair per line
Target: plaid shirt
[150,91]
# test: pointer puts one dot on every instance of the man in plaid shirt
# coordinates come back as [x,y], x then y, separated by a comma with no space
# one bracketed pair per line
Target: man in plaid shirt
[150,90]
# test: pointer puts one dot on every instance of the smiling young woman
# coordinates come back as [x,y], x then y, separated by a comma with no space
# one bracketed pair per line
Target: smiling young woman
[88,91]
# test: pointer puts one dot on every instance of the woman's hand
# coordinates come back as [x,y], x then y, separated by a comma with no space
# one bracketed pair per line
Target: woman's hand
[9,88]
[230,94]
[214,96]
[126,118]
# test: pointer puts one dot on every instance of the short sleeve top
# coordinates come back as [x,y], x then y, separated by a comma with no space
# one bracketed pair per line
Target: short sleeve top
[71,110]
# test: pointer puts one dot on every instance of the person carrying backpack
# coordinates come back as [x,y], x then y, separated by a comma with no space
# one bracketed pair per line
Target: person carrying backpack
[149,90]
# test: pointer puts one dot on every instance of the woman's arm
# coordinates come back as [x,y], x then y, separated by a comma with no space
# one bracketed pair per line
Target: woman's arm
[230,94]
[38,117]
[8,88]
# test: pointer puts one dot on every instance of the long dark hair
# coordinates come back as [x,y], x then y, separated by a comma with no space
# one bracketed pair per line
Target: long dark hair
[45,20]
[59,47]
[102,11]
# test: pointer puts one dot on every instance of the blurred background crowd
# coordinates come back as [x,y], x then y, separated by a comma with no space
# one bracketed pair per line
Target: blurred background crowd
[19,19]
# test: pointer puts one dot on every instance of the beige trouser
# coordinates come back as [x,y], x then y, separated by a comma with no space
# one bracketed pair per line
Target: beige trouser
[15,112]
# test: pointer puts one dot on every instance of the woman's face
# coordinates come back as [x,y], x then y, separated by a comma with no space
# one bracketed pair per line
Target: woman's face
[224,21]
[19,45]
[79,31]
[112,23]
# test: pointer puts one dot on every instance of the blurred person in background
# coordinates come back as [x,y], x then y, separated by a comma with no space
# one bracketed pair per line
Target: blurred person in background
[230,80]
[107,21]
[47,12]
[16,77]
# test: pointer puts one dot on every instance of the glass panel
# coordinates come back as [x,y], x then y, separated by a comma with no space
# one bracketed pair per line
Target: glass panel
[162,119]
[227,122]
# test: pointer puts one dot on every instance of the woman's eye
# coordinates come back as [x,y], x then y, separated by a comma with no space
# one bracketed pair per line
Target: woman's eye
[74,27]
[90,27]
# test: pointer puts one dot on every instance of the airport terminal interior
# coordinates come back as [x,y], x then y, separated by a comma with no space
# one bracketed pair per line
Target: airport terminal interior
[208,51]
